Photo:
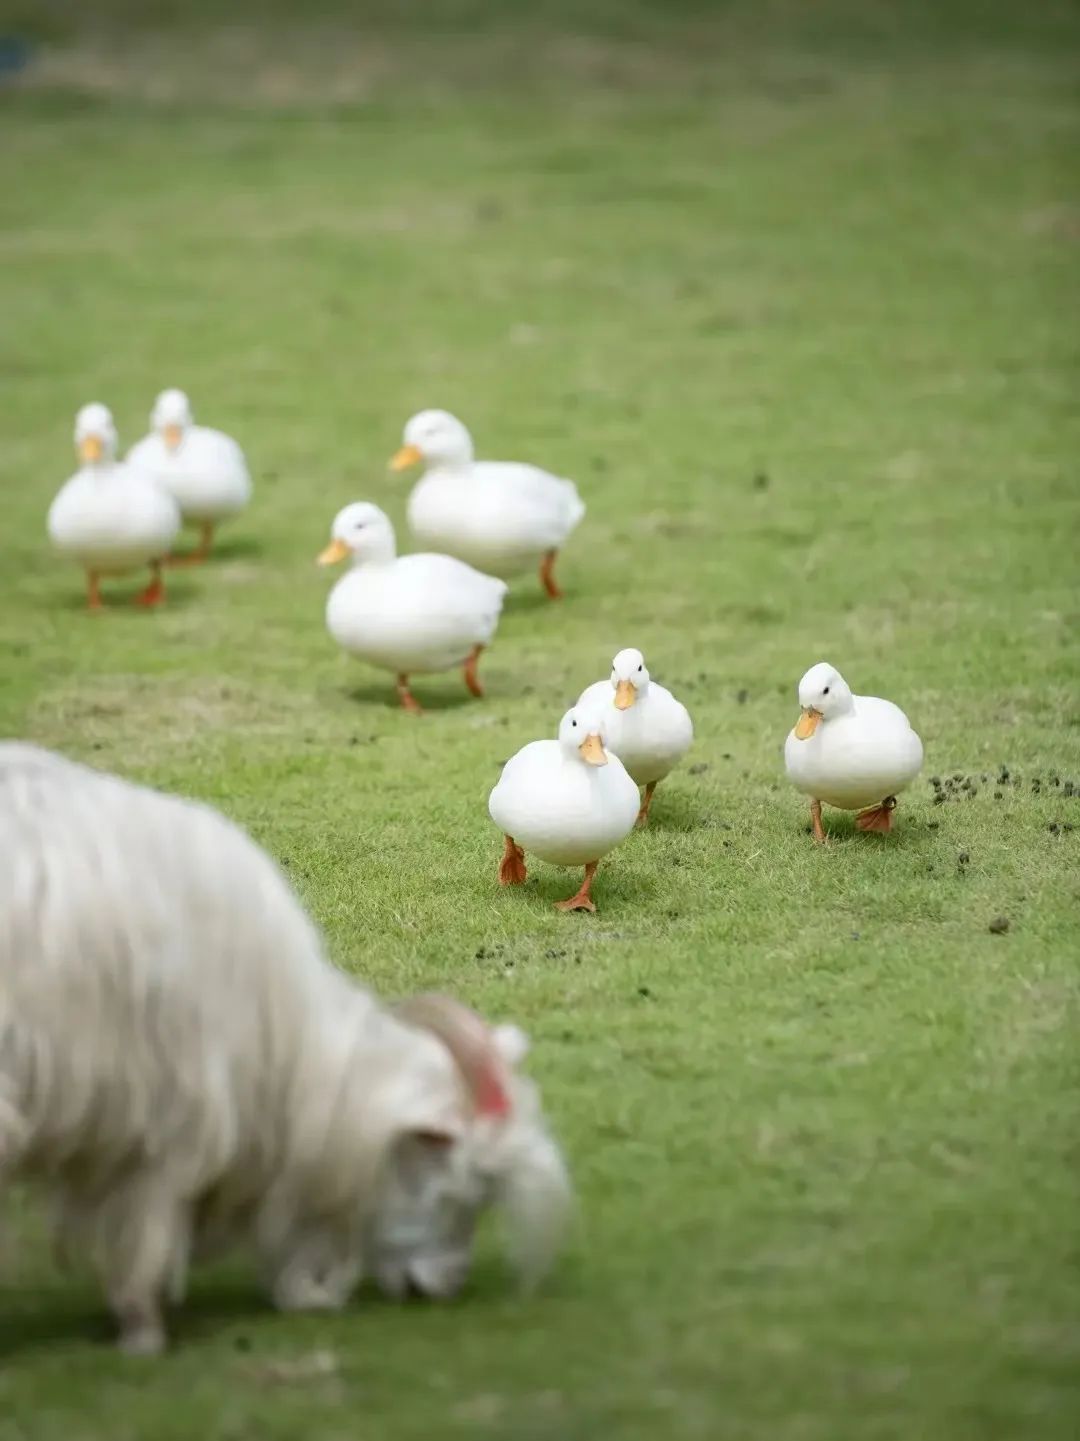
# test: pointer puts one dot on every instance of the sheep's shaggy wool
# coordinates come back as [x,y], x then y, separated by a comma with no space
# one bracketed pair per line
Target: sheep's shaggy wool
[182,1069]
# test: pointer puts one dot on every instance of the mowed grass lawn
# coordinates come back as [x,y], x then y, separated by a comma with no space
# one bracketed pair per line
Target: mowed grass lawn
[791,294]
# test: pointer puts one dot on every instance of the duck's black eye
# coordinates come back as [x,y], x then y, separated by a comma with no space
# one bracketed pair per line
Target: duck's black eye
[573,723]
[825,691]
[641,667]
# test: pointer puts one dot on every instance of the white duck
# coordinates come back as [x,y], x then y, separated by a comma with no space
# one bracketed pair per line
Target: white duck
[107,517]
[569,801]
[409,613]
[501,516]
[203,469]
[850,751]
[648,729]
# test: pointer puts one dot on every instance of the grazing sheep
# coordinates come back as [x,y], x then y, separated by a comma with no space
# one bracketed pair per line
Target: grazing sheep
[182,1069]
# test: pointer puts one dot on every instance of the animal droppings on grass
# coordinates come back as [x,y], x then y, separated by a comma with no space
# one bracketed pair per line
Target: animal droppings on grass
[999,925]
[699,769]
[963,859]
[644,991]
[940,798]
[741,697]
[761,481]
[932,825]
[999,795]
[1053,828]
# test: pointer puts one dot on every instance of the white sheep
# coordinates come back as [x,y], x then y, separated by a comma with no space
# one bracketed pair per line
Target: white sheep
[182,1069]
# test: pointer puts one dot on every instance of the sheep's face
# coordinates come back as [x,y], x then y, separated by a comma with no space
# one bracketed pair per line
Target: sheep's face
[422,1237]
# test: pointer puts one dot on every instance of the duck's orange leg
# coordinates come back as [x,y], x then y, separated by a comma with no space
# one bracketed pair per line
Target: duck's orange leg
[154,593]
[646,802]
[202,549]
[582,901]
[815,821]
[877,818]
[406,697]
[512,870]
[93,591]
[547,575]
[472,680]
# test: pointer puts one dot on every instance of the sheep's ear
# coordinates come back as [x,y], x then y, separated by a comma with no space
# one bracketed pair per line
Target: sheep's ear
[512,1044]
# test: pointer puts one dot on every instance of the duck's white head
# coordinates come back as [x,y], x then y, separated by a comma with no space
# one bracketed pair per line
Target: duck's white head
[582,733]
[629,678]
[823,693]
[171,416]
[95,434]
[434,437]
[361,531]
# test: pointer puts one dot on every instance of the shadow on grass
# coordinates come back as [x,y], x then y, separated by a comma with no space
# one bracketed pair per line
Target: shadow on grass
[384,697]
[123,600]
[78,1316]
[612,890]
[233,547]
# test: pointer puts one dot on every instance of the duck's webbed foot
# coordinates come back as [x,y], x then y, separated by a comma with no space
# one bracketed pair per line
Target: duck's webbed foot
[877,818]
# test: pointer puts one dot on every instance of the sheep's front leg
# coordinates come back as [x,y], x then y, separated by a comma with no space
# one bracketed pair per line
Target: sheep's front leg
[142,1238]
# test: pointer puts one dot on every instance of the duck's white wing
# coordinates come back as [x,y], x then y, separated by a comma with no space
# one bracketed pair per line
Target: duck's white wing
[544,507]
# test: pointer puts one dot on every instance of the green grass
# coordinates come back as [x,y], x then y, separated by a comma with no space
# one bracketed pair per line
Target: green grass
[791,292]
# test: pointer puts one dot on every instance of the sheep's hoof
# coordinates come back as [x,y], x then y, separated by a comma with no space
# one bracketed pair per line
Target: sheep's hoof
[146,1339]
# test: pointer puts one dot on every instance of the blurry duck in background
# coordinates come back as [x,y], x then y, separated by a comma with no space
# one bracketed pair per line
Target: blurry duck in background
[501,516]
[107,517]
[203,469]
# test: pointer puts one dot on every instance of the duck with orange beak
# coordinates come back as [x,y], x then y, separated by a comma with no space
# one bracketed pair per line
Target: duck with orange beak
[203,469]
[106,517]
[568,801]
[409,613]
[648,729]
[855,752]
[502,516]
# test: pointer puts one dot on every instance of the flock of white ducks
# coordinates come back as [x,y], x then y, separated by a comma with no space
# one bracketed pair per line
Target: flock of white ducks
[114,516]
[569,801]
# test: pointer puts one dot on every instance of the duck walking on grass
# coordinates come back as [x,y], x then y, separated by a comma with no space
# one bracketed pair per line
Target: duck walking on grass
[203,469]
[108,517]
[855,752]
[410,613]
[648,729]
[569,801]
[501,516]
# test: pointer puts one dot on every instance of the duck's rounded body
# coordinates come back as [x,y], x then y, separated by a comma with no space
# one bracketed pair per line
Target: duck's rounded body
[408,614]
[107,517]
[414,614]
[853,752]
[569,801]
[503,517]
[560,810]
[206,474]
[204,470]
[109,520]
